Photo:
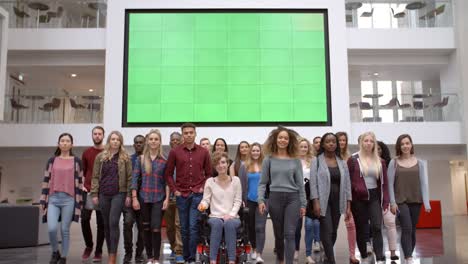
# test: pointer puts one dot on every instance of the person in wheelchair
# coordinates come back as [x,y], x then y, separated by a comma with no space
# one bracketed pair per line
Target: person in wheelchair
[223,195]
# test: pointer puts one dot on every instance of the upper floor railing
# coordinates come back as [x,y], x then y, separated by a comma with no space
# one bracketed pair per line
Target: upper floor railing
[399,13]
[422,107]
[52,109]
[56,13]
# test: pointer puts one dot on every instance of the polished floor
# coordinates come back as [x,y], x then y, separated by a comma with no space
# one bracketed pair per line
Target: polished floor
[434,246]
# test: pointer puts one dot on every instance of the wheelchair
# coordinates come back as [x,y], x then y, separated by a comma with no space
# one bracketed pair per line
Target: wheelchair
[243,247]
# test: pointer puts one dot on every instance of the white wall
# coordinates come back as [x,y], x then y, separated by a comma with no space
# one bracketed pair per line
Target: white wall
[338,65]
[458,178]
[57,39]
[406,39]
[3,57]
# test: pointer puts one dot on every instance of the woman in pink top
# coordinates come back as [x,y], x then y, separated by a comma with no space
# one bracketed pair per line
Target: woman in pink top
[61,195]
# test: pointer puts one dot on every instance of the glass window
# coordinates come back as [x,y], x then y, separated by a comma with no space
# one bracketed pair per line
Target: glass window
[385,89]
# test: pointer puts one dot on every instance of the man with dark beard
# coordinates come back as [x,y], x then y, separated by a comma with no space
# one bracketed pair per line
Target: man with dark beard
[88,163]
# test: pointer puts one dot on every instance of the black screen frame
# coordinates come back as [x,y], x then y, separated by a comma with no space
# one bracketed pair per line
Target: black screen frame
[324,12]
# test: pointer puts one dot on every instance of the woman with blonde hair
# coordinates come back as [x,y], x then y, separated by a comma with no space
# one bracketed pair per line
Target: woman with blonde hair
[282,172]
[110,188]
[312,224]
[249,174]
[370,194]
[153,197]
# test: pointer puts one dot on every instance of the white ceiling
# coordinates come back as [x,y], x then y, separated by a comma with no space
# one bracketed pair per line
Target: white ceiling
[53,80]
[397,72]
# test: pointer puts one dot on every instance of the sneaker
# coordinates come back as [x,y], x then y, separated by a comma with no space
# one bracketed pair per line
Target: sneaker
[316,247]
[309,260]
[394,257]
[55,257]
[365,260]
[369,248]
[172,256]
[97,257]
[139,259]
[259,260]
[86,254]
[62,261]
[296,255]
[380,262]
[409,261]
[253,255]
[149,262]
[127,259]
[179,259]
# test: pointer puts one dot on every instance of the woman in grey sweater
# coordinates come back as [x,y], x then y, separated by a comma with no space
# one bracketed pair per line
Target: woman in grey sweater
[330,189]
[282,172]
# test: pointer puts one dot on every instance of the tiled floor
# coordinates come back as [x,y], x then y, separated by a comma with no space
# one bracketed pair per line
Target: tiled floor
[446,246]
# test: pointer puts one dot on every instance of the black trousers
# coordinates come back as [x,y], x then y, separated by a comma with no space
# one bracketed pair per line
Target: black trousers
[363,211]
[86,227]
[130,218]
[409,216]
[329,227]
[152,215]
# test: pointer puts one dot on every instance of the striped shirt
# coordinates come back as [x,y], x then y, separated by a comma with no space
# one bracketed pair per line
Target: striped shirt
[153,187]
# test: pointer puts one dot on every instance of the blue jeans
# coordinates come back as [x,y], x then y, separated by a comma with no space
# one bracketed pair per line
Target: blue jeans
[312,233]
[60,204]
[230,236]
[189,219]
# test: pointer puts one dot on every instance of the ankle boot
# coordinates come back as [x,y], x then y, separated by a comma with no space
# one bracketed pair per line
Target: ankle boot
[55,257]
[112,259]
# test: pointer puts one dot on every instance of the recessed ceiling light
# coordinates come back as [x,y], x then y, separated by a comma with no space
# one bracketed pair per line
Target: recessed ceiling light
[73,75]
[375,74]
[20,76]
[91,90]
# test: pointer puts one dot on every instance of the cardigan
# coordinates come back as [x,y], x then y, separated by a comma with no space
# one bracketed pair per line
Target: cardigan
[125,176]
[423,180]
[223,201]
[320,183]
[78,175]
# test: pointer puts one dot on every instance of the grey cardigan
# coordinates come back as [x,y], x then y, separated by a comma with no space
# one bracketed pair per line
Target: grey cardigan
[320,183]
[423,179]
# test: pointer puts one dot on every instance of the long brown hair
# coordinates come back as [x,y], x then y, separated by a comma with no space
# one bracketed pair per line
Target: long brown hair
[398,144]
[344,153]
[238,160]
[58,151]
[271,148]
[250,163]
[107,155]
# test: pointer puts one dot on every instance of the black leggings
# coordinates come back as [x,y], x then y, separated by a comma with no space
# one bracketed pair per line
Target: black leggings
[329,226]
[152,216]
[363,211]
[409,216]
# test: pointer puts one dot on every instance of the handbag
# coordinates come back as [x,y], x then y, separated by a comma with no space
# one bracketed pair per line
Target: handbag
[267,190]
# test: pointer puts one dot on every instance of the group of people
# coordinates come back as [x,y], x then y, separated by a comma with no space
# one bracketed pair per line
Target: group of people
[287,177]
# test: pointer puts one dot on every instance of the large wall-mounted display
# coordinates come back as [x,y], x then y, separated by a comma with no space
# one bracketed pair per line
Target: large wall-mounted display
[226,67]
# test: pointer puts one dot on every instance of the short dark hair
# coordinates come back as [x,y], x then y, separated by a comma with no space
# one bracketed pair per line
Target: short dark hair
[185,125]
[138,136]
[398,144]
[319,137]
[217,156]
[98,127]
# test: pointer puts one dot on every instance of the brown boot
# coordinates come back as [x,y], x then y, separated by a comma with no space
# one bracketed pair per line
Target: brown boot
[112,259]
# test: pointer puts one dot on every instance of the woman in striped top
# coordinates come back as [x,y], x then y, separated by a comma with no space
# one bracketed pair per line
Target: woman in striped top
[61,195]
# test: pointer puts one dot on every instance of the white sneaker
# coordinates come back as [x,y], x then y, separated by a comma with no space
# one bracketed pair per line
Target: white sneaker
[380,262]
[365,260]
[369,248]
[259,260]
[409,261]
[149,262]
[309,260]
[296,255]
[253,255]
[316,247]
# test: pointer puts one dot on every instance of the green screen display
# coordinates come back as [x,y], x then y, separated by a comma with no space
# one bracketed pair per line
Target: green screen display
[226,67]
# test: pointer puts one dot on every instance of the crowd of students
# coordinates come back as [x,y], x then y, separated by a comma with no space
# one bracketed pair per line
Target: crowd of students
[294,181]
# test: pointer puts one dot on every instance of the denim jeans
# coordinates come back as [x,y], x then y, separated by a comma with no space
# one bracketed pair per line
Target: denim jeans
[312,233]
[230,236]
[409,216]
[111,208]
[189,219]
[60,204]
[256,226]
